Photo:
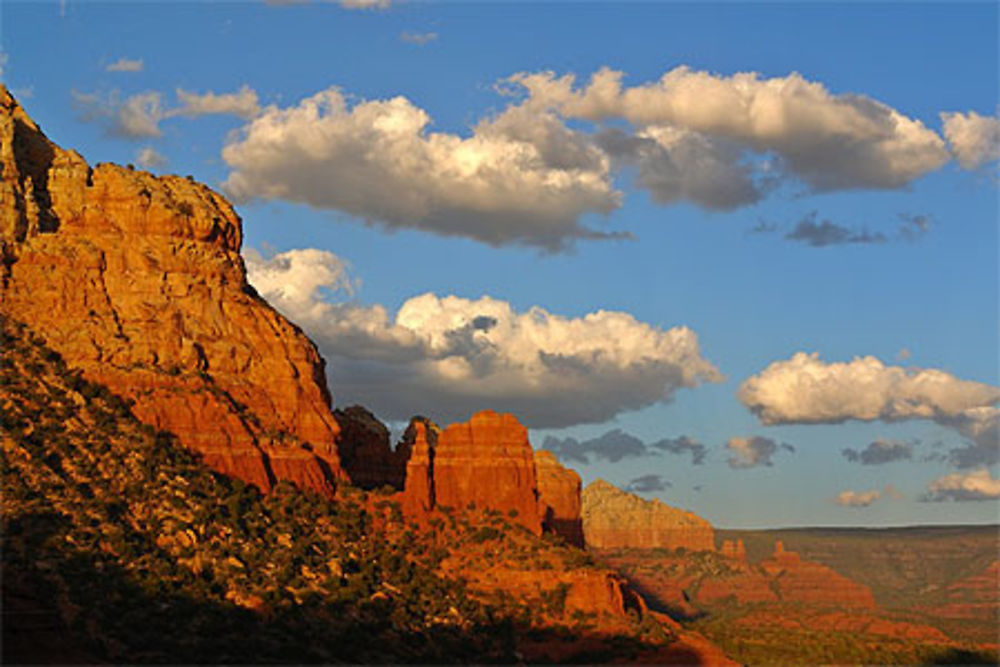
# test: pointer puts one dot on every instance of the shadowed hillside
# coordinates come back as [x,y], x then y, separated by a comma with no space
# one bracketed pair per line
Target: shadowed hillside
[120,546]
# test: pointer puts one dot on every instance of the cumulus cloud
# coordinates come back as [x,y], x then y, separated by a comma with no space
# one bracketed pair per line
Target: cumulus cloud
[418,38]
[857,498]
[125,65]
[450,356]
[754,451]
[135,117]
[829,141]
[149,158]
[682,445]
[961,487]
[879,452]
[648,484]
[807,390]
[242,103]
[974,140]
[677,165]
[139,116]
[522,177]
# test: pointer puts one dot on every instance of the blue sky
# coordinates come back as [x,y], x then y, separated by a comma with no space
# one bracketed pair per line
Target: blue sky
[859,226]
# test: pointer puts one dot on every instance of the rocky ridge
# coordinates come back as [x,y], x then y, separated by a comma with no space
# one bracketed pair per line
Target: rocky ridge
[137,281]
[614,519]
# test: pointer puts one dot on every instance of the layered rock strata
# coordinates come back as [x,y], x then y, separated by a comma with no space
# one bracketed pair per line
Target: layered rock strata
[137,281]
[614,519]
[559,498]
[805,581]
[365,453]
[489,463]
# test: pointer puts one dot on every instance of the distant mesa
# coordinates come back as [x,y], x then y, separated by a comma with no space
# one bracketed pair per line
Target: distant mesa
[615,519]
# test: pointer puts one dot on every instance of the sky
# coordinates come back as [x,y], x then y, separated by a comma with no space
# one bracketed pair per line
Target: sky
[739,257]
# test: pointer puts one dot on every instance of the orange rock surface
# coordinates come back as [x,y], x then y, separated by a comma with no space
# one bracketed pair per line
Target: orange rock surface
[559,498]
[137,281]
[488,461]
[614,519]
[420,440]
[799,580]
[734,549]
[365,452]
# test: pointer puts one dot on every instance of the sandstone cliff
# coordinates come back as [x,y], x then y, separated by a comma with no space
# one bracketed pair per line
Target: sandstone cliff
[365,453]
[137,281]
[615,519]
[559,498]
[488,462]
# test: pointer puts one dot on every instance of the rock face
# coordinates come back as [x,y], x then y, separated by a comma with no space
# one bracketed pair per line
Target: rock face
[799,580]
[615,519]
[559,498]
[137,281]
[365,453]
[488,461]
[734,549]
[420,440]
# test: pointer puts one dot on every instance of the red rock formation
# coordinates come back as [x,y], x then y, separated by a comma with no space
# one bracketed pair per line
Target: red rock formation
[799,580]
[488,461]
[420,440]
[365,453]
[615,519]
[137,281]
[734,549]
[559,498]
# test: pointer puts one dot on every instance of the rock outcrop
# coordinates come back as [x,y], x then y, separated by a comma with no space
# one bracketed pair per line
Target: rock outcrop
[734,549]
[137,281]
[488,462]
[420,439]
[365,453]
[799,580]
[559,498]
[614,519]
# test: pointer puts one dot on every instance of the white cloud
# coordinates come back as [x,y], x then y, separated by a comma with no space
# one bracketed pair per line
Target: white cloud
[857,498]
[365,4]
[242,103]
[135,117]
[975,485]
[522,177]
[974,139]
[829,141]
[450,356]
[139,116]
[125,65]
[807,390]
[754,451]
[418,38]
[149,158]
